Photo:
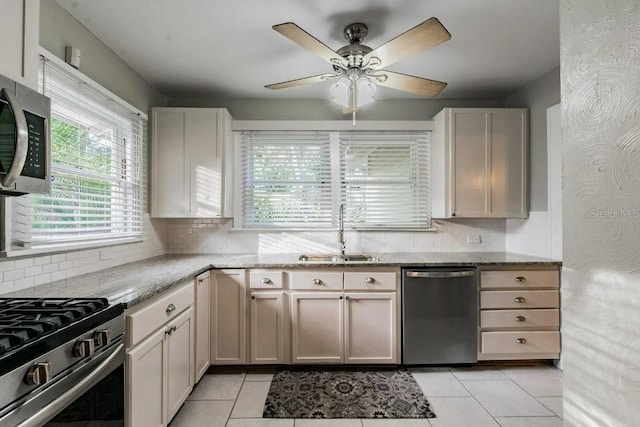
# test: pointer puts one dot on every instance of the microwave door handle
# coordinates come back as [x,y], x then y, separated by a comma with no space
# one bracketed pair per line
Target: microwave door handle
[22,140]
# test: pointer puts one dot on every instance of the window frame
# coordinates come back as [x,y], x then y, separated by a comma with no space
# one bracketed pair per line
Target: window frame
[334,127]
[9,249]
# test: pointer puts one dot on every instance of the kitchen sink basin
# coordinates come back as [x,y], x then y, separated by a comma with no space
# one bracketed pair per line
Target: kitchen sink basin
[338,258]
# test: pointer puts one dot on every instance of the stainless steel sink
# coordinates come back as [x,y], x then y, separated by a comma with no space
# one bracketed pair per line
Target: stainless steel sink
[338,258]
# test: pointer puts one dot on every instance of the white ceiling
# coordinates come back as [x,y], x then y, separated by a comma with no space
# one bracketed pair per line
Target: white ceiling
[227,49]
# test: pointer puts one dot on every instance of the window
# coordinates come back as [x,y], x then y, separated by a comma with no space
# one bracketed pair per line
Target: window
[300,179]
[98,160]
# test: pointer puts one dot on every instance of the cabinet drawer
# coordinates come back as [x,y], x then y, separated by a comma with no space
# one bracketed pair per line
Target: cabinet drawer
[265,279]
[519,299]
[519,279]
[519,318]
[521,342]
[142,321]
[316,280]
[370,281]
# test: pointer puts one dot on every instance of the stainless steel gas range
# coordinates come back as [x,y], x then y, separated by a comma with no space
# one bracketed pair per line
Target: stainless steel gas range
[61,362]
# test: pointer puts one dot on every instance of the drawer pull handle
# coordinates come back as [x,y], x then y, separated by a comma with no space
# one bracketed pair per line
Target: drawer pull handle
[369,280]
[316,282]
[521,340]
[521,279]
[266,281]
[519,299]
[520,319]
[170,309]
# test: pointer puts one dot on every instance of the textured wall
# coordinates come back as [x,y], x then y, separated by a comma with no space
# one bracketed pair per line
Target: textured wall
[600,73]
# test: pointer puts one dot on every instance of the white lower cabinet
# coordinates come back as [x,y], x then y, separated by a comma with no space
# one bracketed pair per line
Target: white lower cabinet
[352,327]
[370,328]
[228,317]
[317,325]
[160,366]
[267,327]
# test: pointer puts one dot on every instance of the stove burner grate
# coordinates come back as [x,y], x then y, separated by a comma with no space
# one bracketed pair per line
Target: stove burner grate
[25,319]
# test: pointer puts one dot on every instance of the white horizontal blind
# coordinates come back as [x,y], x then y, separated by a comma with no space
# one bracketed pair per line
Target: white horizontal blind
[98,153]
[286,179]
[385,179]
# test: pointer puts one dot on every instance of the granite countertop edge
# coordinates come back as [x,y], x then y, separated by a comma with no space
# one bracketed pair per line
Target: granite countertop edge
[136,282]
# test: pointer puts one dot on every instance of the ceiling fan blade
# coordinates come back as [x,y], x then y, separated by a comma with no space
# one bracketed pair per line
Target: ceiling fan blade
[412,84]
[307,41]
[302,81]
[423,36]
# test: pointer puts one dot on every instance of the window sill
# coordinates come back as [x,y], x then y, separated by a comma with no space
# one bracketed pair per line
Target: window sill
[67,247]
[328,230]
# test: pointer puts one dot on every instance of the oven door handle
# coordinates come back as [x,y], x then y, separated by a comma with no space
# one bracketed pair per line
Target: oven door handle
[22,140]
[50,410]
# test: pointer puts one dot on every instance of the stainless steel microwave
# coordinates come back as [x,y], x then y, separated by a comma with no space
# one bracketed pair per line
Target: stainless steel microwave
[25,142]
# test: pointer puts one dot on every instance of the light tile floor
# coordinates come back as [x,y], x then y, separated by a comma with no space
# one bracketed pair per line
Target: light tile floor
[487,395]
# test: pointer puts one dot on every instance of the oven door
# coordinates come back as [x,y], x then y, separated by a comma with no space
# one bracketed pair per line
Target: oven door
[91,391]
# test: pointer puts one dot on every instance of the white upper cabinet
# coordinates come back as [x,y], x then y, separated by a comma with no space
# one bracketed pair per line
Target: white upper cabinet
[19,32]
[189,158]
[479,161]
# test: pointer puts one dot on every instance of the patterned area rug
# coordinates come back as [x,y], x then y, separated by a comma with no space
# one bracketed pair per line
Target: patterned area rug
[345,393]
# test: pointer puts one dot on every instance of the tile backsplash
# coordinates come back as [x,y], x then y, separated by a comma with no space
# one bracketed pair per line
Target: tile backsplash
[210,236]
[23,273]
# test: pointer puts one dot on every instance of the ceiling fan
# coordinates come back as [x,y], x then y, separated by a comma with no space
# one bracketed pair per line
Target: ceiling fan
[359,68]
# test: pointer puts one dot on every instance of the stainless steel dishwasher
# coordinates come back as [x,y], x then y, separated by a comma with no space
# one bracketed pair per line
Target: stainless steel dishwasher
[439,315]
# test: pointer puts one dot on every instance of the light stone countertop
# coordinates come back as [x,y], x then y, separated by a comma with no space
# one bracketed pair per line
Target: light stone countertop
[133,283]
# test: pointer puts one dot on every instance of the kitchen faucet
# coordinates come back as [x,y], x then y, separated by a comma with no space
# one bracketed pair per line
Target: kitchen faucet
[341,240]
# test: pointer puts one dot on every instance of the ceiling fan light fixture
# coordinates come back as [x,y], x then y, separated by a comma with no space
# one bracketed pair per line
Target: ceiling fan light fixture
[349,95]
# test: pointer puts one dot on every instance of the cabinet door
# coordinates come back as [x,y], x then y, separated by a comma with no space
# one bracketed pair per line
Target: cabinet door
[470,145]
[170,167]
[205,163]
[145,367]
[228,313]
[180,350]
[317,327]
[19,32]
[267,327]
[202,323]
[370,328]
[509,150]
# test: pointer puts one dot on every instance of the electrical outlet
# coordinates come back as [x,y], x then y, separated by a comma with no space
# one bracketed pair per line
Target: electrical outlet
[474,240]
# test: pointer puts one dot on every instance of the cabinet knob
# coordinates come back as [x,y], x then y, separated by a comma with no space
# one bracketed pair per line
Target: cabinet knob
[521,279]
[369,280]
[519,299]
[521,340]
[266,281]
[200,280]
[316,282]
[253,297]
[453,214]
[170,309]
[520,319]
[347,297]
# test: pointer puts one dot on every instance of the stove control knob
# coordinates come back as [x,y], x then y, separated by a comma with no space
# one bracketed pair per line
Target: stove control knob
[101,337]
[83,348]
[39,374]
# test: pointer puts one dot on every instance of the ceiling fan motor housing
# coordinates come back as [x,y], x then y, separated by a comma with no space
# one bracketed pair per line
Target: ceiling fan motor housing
[354,51]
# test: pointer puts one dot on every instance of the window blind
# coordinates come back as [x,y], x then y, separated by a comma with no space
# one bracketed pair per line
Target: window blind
[385,179]
[98,166]
[286,179]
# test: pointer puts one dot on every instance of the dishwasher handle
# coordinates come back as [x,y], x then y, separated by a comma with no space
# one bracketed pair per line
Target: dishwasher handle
[440,274]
